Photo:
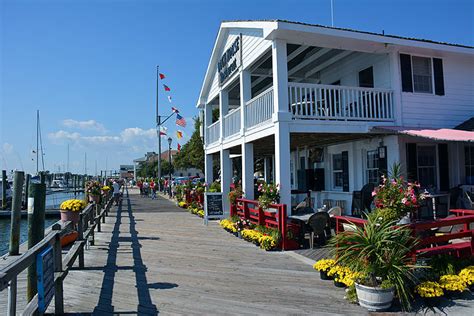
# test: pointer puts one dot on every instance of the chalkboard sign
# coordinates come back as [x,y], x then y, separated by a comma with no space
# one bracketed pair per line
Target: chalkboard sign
[45,272]
[213,206]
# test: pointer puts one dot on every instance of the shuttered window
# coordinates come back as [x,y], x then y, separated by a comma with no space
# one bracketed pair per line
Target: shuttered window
[422,78]
[426,155]
[422,74]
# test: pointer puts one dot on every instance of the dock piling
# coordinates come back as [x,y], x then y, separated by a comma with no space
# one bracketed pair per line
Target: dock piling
[36,215]
[4,189]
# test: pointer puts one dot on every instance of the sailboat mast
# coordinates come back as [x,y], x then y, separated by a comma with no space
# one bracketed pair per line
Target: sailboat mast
[37,141]
[67,166]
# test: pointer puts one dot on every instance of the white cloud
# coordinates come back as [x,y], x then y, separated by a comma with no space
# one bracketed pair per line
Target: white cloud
[85,125]
[7,148]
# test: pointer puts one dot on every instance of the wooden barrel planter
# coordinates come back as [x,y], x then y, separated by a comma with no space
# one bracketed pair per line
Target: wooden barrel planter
[373,298]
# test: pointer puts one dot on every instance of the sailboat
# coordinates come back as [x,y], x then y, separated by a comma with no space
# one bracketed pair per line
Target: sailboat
[39,146]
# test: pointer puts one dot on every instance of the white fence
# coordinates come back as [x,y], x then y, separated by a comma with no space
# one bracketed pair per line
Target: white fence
[315,101]
[259,109]
[232,123]
[213,132]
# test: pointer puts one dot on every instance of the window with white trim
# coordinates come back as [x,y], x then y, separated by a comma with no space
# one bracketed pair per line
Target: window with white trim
[469,164]
[422,74]
[338,178]
[372,167]
[427,165]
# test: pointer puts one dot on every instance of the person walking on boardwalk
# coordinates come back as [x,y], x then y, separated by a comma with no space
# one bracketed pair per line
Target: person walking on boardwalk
[116,187]
[153,189]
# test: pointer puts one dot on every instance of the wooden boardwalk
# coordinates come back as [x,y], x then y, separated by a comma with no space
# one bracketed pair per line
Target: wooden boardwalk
[152,257]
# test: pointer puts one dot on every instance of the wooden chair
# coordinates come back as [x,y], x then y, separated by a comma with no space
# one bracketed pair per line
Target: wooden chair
[318,225]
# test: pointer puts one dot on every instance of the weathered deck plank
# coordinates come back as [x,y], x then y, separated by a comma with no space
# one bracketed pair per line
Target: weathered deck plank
[154,257]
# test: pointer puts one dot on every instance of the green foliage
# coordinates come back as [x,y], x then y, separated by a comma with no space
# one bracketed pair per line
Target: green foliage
[351,294]
[269,194]
[192,153]
[235,194]
[380,252]
[215,187]
[445,265]
[150,169]
[274,233]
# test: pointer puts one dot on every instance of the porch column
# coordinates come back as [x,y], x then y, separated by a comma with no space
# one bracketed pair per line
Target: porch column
[396,83]
[223,109]
[282,163]
[247,170]
[280,79]
[267,169]
[226,179]
[208,169]
[207,121]
[245,95]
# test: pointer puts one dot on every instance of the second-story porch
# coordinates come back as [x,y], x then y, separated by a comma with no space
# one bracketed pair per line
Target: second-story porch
[323,88]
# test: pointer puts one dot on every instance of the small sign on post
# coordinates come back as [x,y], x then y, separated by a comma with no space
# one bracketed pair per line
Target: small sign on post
[213,208]
[45,272]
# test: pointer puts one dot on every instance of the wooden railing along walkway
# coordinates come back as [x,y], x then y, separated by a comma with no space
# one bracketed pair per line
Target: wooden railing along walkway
[90,219]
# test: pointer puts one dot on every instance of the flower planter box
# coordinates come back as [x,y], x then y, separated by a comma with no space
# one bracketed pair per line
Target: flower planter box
[70,216]
[324,275]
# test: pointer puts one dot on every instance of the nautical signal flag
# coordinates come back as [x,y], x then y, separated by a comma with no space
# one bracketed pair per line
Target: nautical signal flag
[162,133]
[179,134]
[180,120]
[166,88]
[169,98]
[175,110]
[162,76]
[179,147]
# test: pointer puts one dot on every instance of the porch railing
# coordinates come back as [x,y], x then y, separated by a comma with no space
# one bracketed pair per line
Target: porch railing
[213,132]
[232,123]
[259,109]
[328,102]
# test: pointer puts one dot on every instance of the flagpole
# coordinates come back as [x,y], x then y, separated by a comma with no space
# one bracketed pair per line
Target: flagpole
[158,124]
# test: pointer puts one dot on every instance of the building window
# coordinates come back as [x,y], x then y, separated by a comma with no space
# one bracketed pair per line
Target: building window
[337,171]
[427,165]
[366,78]
[469,163]
[373,167]
[422,75]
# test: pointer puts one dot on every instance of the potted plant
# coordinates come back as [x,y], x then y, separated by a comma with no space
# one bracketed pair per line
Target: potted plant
[379,252]
[430,292]
[93,190]
[70,210]
[323,266]
[269,194]
[467,274]
[397,199]
[452,284]
[235,194]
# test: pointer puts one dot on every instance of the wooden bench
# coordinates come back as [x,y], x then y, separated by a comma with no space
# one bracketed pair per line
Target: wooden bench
[443,244]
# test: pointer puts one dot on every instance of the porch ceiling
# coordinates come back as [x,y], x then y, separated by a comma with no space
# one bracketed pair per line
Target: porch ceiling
[266,146]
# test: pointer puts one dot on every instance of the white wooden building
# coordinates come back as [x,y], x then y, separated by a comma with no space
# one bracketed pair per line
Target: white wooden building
[327,109]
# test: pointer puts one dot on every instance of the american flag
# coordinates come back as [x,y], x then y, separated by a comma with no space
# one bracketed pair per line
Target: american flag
[180,120]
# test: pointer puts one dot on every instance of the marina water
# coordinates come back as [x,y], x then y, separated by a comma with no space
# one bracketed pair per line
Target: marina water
[53,201]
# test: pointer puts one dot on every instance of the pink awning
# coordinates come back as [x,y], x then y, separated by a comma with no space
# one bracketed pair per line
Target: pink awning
[444,134]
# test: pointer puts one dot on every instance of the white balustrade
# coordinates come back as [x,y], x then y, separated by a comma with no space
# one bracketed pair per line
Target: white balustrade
[213,132]
[328,102]
[259,109]
[232,123]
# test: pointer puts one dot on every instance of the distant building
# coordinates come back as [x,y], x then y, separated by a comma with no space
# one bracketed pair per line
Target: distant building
[151,158]
[127,171]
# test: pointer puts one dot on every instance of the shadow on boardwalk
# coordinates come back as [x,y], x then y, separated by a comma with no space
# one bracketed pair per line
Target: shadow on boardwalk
[145,305]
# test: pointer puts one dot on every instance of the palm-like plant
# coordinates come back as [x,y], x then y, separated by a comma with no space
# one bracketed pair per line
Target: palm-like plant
[380,252]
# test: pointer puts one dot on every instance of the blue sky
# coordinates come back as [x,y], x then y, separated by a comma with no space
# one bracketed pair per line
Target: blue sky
[89,66]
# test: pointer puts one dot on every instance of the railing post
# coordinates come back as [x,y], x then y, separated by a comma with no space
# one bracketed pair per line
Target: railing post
[246,210]
[91,223]
[80,229]
[261,216]
[58,268]
[98,209]
[282,221]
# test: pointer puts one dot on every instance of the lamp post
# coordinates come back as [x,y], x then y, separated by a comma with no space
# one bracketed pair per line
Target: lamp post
[169,161]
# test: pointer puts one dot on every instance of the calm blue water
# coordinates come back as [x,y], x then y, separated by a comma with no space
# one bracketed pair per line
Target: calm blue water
[52,202]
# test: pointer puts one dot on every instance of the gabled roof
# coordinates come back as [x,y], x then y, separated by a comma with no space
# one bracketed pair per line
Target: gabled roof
[467,125]
[355,31]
